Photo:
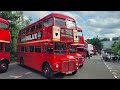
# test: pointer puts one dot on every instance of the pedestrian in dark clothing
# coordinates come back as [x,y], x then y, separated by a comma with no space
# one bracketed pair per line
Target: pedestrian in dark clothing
[88,55]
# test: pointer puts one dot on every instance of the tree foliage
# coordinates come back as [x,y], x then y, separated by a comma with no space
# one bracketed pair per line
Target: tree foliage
[17,22]
[116,47]
[105,39]
[95,42]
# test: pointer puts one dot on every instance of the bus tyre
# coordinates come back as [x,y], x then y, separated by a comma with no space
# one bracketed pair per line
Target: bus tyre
[81,66]
[47,71]
[3,67]
[21,62]
[74,72]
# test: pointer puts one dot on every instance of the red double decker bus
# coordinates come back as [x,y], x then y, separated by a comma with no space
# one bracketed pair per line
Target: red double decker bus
[94,50]
[43,45]
[4,45]
[78,48]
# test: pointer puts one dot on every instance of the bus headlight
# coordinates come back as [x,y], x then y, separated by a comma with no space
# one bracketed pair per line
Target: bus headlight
[76,63]
[57,65]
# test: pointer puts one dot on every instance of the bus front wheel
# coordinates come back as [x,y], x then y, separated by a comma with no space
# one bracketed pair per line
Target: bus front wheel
[47,71]
[74,72]
[81,66]
[3,67]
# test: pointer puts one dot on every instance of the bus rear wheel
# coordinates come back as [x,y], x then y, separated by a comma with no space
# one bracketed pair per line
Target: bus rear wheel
[3,67]
[47,71]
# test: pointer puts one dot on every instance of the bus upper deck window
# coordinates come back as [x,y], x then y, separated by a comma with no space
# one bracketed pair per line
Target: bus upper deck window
[39,26]
[70,24]
[3,26]
[59,22]
[48,22]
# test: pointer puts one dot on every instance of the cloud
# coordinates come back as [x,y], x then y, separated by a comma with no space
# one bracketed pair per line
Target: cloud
[36,14]
[103,23]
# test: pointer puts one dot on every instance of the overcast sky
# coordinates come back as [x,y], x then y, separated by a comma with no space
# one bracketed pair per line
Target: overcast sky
[93,23]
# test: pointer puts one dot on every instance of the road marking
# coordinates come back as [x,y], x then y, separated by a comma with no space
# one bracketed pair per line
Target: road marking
[113,73]
[18,76]
[113,70]
[15,77]
[118,76]
[28,72]
[115,76]
[109,68]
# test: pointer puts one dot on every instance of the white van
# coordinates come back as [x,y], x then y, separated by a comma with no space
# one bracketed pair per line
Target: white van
[90,49]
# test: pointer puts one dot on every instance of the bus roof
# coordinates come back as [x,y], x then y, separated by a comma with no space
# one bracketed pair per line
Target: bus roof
[4,21]
[50,15]
[79,29]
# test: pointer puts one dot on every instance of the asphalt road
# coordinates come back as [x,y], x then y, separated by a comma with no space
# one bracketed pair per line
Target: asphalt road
[94,68]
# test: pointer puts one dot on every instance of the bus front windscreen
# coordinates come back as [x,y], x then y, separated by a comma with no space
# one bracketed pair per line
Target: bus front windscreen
[80,49]
[65,23]
[3,26]
[60,48]
[70,24]
[60,22]
[72,49]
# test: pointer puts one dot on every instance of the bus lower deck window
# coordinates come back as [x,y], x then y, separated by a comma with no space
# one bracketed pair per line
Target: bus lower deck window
[1,46]
[37,49]
[7,47]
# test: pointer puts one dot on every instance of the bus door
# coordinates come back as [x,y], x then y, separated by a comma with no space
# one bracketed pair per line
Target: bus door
[47,53]
[1,50]
[7,50]
[30,57]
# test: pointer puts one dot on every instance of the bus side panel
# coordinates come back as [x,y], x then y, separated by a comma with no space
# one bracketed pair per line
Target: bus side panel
[4,54]
[4,35]
[47,33]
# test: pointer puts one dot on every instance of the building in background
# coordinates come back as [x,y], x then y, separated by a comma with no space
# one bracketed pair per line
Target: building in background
[107,44]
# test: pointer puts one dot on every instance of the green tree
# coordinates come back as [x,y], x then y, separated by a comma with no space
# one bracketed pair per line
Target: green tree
[95,42]
[105,39]
[17,21]
[116,47]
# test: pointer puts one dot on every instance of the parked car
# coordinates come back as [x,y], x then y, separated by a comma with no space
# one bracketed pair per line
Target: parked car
[110,56]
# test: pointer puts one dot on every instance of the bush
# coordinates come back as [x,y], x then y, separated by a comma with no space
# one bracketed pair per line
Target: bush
[13,56]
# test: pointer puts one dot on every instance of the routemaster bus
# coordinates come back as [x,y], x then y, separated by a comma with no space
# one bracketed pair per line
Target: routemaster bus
[78,48]
[4,45]
[42,45]
[73,51]
[94,50]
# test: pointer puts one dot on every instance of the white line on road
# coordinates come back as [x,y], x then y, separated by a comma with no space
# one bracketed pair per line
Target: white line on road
[15,77]
[109,68]
[115,76]
[118,75]
[113,70]
[113,73]
[18,76]
[28,72]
